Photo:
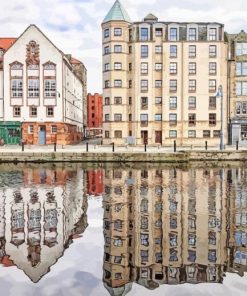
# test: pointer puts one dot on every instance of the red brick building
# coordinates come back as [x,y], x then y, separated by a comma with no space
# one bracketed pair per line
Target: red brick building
[95,182]
[94,114]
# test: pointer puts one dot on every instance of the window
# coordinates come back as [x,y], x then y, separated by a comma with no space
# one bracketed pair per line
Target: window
[192,103]
[117,48]
[173,34]
[107,83]
[173,102]
[144,68]
[33,88]
[130,66]
[216,134]
[53,129]
[130,100]
[191,134]
[50,88]
[213,68]
[192,239]
[206,134]
[158,32]
[192,119]
[106,33]
[173,85]
[241,88]
[33,111]
[192,85]
[241,68]
[158,49]
[144,256]
[144,51]
[241,48]
[118,100]
[107,134]
[117,32]
[107,67]
[117,66]
[172,134]
[118,134]
[158,100]
[144,102]
[192,68]
[172,119]
[212,118]
[117,83]
[106,49]
[107,117]
[192,34]
[192,51]
[118,242]
[212,34]
[30,129]
[49,111]
[212,85]
[158,83]
[144,239]
[130,49]
[173,51]
[107,101]
[212,102]
[157,117]
[212,51]
[16,88]
[144,119]
[173,68]
[158,66]
[144,34]
[241,108]
[144,85]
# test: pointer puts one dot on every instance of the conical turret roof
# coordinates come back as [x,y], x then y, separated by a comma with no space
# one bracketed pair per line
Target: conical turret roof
[117,13]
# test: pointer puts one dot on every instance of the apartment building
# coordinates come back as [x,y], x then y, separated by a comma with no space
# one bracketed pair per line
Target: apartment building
[160,80]
[42,91]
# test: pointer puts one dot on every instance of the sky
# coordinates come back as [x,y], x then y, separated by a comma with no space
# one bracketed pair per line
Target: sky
[74,26]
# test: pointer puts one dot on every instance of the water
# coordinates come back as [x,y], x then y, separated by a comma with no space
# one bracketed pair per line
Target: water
[117,230]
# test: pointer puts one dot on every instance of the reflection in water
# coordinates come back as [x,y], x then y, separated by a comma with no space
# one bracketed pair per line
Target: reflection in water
[39,217]
[171,226]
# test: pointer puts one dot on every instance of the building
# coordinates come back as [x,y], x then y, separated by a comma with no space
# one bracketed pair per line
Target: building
[156,232]
[160,80]
[95,115]
[95,182]
[237,88]
[44,91]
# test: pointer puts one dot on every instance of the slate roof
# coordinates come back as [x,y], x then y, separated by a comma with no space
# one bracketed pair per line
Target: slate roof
[117,13]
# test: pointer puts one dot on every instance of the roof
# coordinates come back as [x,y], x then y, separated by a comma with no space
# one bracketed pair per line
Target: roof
[150,17]
[117,13]
[75,61]
[5,43]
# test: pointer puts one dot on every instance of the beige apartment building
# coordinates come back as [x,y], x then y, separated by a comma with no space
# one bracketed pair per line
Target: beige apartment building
[160,80]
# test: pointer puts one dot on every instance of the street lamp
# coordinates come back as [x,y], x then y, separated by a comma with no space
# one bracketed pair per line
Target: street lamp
[219,94]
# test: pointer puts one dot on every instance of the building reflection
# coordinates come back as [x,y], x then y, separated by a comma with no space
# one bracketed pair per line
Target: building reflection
[172,226]
[95,186]
[40,216]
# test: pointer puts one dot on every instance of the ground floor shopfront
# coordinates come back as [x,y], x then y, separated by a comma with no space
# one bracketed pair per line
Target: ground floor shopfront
[238,131]
[45,133]
[10,132]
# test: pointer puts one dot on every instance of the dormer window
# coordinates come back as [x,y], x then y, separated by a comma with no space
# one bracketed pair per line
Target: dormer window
[212,34]
[158,32]
[192,34]
[1,52]
[144,34]
[173,34]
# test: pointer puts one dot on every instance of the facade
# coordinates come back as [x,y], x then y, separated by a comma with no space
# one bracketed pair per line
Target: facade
[95,114]
[157,232]
[44,90]
[160,80]
[238,88]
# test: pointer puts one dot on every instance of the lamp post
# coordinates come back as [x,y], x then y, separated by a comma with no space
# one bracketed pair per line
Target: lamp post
[219,94]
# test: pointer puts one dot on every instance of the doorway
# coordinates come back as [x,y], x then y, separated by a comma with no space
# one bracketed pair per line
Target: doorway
[158,137]
[42,135]
[144,137]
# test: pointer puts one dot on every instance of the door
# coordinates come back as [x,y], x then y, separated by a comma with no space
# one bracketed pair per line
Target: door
[158,137]
[42,135]
[144,136]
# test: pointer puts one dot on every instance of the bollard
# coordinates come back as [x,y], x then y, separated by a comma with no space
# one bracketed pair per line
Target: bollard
[145,147]
[175,146]
[55,147]
[206,145]
[113,147]
[101,142]
[22,146]
[87,147]
[236,145]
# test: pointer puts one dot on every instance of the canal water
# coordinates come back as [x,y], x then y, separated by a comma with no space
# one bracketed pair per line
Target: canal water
[140,229]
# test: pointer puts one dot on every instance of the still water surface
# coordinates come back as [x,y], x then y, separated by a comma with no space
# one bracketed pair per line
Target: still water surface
[115,230]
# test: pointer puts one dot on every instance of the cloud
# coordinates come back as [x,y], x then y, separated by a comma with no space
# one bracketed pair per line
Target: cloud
[75,25]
